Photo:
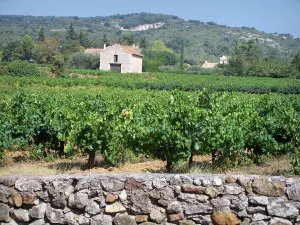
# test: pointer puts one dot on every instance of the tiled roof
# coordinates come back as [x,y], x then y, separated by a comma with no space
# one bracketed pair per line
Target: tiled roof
[131,50]
[93,50]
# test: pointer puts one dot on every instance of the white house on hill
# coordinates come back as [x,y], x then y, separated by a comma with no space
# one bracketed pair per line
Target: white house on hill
[121,58]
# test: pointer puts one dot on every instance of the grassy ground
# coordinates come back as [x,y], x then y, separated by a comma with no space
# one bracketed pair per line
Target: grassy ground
[201,164]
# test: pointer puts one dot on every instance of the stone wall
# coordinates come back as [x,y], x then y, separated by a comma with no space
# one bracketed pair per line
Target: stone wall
[149,199]
[136,64]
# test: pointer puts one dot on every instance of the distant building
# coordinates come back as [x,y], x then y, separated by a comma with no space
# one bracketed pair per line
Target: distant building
[208,65]
[120,58]
[224,60]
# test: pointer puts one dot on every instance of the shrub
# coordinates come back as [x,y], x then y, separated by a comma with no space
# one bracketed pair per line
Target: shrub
[169,69]
[150,65]
[58,65]
[82,60]
[200,70]
[23,68]
[3,70]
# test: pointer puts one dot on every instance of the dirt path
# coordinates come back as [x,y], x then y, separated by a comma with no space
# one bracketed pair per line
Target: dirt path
[202,164]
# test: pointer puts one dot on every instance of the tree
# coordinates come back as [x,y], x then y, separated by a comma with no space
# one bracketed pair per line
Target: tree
[182,58]
[243,59]
[127,39]
[153,59]
[83,39]
[104,39]
[81,60]
[13,51]
[28,46]
[58,64]
[41,34]
[143,43]
[296,62]
[71,47]
[71,34]
[46,50]
[159,46]
[107,24]
[270,67]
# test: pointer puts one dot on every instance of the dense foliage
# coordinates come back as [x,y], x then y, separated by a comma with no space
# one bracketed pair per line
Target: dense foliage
[296,62]
[168,126]
[12,51]
[154,58]
[82,60]
[246,61]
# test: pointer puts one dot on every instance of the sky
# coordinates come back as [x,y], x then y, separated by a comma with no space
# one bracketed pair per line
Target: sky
[281,16]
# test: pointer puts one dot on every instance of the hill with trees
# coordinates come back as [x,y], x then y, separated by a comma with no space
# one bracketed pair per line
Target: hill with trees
[201,41]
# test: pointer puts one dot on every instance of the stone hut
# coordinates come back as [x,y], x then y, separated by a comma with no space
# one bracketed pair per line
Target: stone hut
[120,58]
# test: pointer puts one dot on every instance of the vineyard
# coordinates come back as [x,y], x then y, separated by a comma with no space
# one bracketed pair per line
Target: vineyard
[164,81]
[104,116]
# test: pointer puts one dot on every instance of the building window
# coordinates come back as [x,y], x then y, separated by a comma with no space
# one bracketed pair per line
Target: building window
[115,58]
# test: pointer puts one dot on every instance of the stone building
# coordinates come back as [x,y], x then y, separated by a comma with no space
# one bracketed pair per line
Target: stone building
[121,58]
[209,65]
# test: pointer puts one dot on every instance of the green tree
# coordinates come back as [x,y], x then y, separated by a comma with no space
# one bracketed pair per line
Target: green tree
[83,39]
[28,46]
[244,58]
[127,39]
[270,67]
[41,34]
[107,24]
[182,58]
[159,46]
[153,59]
[296,62]
[46,50]
[71,33]
[71,47]
[58,64]
[81,60]
[104,39]
[13,51]
[143,43]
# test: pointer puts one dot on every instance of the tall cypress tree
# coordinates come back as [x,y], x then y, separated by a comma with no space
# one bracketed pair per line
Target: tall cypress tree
[72,35]
[83,39]
[143,43]
[41,35]
[296,62]
[182,57]
[104,39]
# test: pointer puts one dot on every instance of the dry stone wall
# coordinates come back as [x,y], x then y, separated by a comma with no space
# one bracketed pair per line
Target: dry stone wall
[149,199]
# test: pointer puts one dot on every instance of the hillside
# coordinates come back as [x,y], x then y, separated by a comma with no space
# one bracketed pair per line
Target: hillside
[203,41]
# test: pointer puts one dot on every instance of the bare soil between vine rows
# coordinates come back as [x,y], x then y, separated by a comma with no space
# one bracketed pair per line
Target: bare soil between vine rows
[201,164]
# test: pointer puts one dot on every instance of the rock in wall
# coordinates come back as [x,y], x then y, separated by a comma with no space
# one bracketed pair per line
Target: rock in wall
[149,199]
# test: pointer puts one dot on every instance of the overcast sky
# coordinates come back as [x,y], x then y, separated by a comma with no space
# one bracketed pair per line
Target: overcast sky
[282,16]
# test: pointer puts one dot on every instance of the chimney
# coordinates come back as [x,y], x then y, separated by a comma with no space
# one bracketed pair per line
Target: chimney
[104,46]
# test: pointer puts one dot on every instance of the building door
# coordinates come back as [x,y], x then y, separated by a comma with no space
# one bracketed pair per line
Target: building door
[115,67]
